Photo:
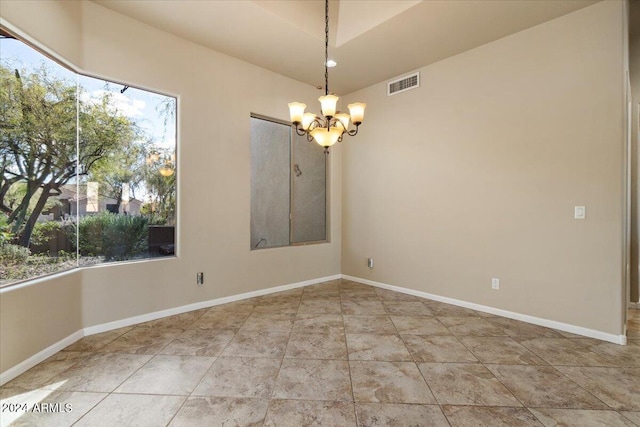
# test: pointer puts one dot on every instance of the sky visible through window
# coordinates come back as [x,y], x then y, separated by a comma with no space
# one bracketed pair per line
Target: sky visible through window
[145,108]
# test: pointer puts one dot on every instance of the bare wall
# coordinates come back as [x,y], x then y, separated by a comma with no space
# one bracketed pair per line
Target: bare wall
[476,173]
[34,317]
[59,22]
[634,77]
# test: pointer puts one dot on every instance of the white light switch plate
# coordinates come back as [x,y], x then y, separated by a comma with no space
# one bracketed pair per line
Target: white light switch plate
[579,212]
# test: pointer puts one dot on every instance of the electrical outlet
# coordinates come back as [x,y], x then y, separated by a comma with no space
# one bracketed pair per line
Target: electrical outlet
[200,279]
[370,262]
[495,283]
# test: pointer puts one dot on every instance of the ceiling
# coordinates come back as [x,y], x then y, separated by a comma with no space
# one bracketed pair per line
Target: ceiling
[372,40]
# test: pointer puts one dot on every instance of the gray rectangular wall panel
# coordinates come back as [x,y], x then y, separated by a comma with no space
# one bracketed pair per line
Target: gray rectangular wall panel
[309,200]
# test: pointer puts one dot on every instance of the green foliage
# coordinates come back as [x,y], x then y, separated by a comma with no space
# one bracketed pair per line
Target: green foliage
[154,217]
[125,237]
[38,126]
[5,230]
[119,170]
[13,254]
[39,113]
[18,263]
[14,194]
[43,232]
[116,237]
[162,208]
[90,235]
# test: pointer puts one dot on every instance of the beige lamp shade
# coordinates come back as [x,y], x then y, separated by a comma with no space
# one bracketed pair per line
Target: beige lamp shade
[296,111]
[357,112]
[328,103]
[307,119]
[343,118]
[325,137]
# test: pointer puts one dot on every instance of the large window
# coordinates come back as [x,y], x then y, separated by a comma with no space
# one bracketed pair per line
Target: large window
[88,168]
[288,186]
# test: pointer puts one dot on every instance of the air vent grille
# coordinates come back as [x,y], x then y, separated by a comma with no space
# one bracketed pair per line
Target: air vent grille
[403,84]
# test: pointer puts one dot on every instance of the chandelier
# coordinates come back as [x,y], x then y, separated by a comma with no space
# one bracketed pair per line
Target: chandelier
[330,128]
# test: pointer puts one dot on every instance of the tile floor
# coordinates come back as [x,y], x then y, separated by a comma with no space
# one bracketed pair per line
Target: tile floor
[335,354]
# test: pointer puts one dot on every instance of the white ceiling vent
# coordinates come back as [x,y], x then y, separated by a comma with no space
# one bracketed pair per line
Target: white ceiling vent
[403,84]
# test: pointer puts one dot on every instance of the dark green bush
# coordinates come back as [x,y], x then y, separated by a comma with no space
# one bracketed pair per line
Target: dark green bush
[43,232]
[125,237]
[116,237]
[90,234]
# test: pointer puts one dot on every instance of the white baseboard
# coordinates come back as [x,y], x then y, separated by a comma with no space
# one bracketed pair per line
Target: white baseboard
[104,327]
[24,366]
[39,357]
[579,330]
[633,305]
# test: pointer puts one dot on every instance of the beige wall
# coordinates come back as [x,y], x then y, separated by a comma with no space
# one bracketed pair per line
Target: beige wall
[216,96]
[476,173]
[634,73]
[57,22]
[34,317]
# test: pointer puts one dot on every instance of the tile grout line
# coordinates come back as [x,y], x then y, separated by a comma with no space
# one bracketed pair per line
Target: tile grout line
[580,386]
[190,395]
[415,362]
[91,409]
[275,381]
[484,365]
[346,345]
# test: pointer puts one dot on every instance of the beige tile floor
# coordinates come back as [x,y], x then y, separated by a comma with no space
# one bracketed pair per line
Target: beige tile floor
[335,354]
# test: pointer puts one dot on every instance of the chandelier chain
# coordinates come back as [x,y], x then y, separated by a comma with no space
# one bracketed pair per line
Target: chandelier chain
[326,47]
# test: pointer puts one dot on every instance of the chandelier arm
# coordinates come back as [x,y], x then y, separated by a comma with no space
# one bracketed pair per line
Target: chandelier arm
[353,132]
[339,123]
[319,123]
[299,130]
